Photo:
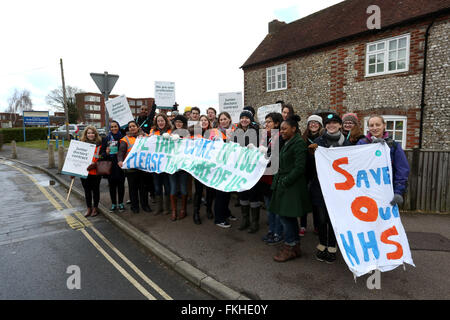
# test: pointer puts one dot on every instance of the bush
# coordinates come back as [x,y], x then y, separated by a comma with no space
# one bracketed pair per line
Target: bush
[10,134]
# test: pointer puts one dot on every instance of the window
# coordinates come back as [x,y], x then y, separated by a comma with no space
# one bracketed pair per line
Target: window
[387,56]
[276,78]
[131,102]
[395,125]
[93,116]
[139,103]
[92,107]
[91,99]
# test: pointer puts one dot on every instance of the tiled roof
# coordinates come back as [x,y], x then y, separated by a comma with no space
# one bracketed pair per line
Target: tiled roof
[345,19]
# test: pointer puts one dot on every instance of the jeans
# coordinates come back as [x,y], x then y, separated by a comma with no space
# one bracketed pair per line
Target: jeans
[178,182]
[326,232]
[275,225]
[221,209]
[290,227]
[116,188]
[161,180]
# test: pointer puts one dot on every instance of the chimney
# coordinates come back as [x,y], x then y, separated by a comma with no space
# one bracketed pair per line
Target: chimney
[275,26]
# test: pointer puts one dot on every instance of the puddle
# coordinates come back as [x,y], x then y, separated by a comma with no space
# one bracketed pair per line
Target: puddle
[44,180]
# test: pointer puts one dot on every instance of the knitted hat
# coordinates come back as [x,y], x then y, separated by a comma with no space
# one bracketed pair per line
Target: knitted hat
[332,117]
[315,118]
[181,118]
[248,114]
[350,117]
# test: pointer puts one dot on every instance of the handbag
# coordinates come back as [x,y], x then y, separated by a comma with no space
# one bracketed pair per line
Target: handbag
[104,167]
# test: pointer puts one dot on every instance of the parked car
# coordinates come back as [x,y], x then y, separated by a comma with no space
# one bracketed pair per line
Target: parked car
[102,132]
[75,130]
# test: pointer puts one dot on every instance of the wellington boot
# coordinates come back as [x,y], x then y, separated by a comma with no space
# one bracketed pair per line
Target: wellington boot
[160,207]
[173,204]
[183,207]
[245,222]
[254,220]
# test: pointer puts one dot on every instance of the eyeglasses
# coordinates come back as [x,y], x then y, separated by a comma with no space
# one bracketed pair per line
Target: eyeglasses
[348,123]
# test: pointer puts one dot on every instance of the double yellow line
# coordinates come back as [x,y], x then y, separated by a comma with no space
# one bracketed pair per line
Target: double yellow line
[81,224]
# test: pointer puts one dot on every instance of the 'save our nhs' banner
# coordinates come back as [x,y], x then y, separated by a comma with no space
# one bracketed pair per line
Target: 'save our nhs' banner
[356,183]
[222,166]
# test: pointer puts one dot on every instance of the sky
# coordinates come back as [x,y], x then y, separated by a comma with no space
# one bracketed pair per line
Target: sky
[199,45]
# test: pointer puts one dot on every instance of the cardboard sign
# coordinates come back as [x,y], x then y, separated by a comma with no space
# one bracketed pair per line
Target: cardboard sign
[119,110]
[222,166]
[356,183]
[164,94]
[265,110]
[231,102]
[79,156]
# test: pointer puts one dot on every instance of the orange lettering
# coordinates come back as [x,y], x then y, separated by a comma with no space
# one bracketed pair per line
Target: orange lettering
[350,182]
[384,238]
[365,202]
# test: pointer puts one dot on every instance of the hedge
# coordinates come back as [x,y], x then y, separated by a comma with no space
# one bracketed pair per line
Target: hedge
[10,134]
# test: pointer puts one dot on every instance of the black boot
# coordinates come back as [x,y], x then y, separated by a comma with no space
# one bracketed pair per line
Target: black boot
[245,222]
[196,215]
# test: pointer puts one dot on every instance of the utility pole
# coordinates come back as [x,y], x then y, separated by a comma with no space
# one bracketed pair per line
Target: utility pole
[65,101]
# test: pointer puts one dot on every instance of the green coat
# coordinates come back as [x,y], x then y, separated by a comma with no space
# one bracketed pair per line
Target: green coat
[290,194]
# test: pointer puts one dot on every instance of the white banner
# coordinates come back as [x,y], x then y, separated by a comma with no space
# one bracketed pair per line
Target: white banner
[223,166]
[78,158]
[119,110]
[265,110]
[231,102]
[164,94]
[356,183]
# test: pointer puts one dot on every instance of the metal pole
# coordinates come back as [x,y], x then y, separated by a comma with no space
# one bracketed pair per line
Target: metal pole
[65,101]
[106,96]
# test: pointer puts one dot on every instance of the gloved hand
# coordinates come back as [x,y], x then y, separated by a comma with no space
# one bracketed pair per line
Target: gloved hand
[380,140]
[397,200]
[312,148]
[92,166]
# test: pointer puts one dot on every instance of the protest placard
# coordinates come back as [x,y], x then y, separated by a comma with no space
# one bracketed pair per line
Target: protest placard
[78,158]
[356,183]
[265,110]
[231,102]
[164,94]
[222,166]
[119,110]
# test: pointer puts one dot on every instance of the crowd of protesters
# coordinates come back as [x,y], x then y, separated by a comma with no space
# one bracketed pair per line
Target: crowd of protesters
[288,196]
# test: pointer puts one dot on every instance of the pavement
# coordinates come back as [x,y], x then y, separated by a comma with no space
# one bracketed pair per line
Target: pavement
[235,265]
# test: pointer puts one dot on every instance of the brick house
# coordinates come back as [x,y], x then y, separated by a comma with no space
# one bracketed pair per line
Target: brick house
[91,107]
[331,60]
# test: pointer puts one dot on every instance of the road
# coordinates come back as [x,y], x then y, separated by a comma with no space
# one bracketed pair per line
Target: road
[49,250]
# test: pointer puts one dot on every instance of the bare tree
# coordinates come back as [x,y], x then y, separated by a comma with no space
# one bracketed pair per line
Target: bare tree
[56,99]
[18,102]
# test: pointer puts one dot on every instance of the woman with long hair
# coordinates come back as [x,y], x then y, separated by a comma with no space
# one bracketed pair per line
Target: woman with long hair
[161,180]
[91,184]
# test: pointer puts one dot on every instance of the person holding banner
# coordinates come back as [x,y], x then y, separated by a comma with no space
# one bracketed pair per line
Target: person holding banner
[272,121]
[400,166]
[289,198]
[350,128]
[136,183]
[178,180]
[116,180]
[91,184]
[161,180]
[222,212]
[247,135]
[314,129]
[332,137]
[202,130]
[212,113]
[287,111]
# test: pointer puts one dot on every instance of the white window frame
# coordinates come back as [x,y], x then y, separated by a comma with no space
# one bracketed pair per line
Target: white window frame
[385,51]
[392,118]
[276,73]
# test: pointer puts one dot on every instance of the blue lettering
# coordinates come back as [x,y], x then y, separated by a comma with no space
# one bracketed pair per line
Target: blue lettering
[141,160]
[154,156]
[371,244]
[350,249]
[376,176]
[395,211]
[159,162]
[362,175]
[385,215]
[148,161]
[130,157]
[386,176]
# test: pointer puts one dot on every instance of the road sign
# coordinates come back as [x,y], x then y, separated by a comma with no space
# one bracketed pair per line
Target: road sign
[105,83]
[35,118]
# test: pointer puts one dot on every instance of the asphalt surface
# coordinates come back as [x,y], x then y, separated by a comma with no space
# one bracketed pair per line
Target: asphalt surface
[243,263]
[49,252]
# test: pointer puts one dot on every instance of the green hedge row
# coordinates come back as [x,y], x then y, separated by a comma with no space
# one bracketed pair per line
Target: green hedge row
[10,134]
